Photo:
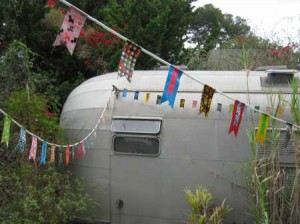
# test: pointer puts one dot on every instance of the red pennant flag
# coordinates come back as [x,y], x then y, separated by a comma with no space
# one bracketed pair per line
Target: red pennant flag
[237,115]
[70,30]
[68,155]
[80,150]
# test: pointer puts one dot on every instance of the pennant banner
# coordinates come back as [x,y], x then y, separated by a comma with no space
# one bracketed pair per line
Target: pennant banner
[262,128]
[136,95]
[207,95]
[52,155]
[194,104]
[22,140]
[44,153]
[124,93]
[80,150]
[130,53]
[147,98]
[219,107]
[171,86]
[67,155]
[70,29]
[236,119]
[6,131]
[32,153]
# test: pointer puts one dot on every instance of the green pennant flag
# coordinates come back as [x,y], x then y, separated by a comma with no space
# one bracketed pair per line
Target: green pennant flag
[6,131]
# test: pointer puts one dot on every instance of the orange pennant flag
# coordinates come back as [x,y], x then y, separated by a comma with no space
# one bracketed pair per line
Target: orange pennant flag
[262,128]
[68,155]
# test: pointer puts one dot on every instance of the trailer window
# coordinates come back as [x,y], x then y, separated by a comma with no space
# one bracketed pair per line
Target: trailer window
[136,136]
[136,145]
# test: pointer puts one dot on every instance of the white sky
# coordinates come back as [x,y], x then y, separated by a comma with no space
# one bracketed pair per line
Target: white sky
[274,19]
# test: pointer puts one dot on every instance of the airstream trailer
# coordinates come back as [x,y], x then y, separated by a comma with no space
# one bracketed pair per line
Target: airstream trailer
[144,154]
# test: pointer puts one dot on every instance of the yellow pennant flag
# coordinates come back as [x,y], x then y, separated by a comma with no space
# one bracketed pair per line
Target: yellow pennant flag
[262,128]
[147,98]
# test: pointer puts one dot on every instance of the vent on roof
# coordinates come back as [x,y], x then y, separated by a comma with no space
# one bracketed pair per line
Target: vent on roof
[278,78]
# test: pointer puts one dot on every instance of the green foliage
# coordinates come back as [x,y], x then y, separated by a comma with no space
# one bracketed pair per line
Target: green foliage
[31,193]
[203,211]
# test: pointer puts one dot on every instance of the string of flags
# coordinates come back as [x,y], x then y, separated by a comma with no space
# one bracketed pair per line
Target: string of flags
[56,151]
[68,35]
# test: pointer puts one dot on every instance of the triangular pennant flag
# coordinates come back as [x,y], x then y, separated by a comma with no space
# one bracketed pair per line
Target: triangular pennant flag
[147,98]
[236,119]
[52,155]
[182,102]
[207,95]
[6,131]
[171,85]
[288,135]
[70,29]
[219,107]
[194,103]
[130,53]
[33,148]
[158,99]
[22,140]
[262,128]
[80,150]
[124,93]
[68,155]
[44,153]
[136,95]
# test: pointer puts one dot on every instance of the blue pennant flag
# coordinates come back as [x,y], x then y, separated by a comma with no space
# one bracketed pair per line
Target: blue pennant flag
[171,86]
[44,153]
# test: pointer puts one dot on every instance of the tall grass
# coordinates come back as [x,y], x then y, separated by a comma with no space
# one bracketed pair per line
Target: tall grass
[271,203]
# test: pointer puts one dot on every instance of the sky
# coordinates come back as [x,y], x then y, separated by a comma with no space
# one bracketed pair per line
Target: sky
[278,20]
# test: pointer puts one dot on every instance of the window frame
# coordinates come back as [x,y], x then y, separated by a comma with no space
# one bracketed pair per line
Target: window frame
[116,134]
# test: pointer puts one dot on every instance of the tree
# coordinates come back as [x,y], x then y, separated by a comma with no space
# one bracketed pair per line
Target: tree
[158,26]
[210,28]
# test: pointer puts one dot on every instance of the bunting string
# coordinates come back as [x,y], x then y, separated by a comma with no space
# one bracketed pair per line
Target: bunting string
[167,63]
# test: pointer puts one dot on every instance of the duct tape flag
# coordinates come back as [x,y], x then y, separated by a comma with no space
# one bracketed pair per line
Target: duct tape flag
[147,98]
[22,140]
[288,135]
[80,150]
[6,131]
[182,102]
[171,85]
[194,104]
[236,119]
[262,128]
[70,29]
[124,93]
[52,154]
[207,95]
[44,153]
[158,99]
[136,95]
[68,155]
[130,53]
[33,148]
[219,107]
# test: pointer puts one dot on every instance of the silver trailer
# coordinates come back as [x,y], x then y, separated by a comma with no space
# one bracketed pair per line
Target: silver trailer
[143,155]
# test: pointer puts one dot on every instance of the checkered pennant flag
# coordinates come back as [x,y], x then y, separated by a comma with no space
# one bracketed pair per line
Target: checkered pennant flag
[130,52]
